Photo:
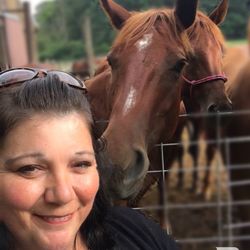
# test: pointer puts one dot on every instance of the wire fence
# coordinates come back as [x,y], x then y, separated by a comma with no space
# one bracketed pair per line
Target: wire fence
[197,222]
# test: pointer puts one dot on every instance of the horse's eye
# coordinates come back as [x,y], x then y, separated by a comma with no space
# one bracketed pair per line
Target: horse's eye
[110,60]
[178,67]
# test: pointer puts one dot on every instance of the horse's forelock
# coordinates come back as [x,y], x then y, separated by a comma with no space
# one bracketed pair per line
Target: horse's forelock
[202,26]
[142,22]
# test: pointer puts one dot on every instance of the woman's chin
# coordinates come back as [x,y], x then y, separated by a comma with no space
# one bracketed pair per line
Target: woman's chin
[56,241]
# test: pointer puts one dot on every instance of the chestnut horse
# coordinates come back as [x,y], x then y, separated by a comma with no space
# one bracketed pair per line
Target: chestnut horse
[144,110]
[238,152]
[143,96]
[205,94]
[239,54]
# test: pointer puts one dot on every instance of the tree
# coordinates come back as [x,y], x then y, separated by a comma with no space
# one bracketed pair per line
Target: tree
[235,23]
[60,24]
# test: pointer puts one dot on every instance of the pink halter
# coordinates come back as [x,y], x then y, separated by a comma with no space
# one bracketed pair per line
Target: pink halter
[204,80]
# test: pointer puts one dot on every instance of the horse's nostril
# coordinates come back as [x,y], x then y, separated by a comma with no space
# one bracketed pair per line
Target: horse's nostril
[139,156]
[213,108]
[139,166]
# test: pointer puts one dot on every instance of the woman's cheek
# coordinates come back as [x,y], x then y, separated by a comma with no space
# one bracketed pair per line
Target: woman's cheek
[18,194]
[87,186]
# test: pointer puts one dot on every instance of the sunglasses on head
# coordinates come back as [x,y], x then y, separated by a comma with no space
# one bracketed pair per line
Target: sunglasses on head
[15,76]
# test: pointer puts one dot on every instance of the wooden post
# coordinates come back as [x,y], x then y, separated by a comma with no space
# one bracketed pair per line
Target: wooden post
[28,30]
[4,62]
[89,44]
[35,57]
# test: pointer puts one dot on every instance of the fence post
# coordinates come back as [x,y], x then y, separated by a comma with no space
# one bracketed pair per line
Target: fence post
[3,46]
[88,43]
[28,31]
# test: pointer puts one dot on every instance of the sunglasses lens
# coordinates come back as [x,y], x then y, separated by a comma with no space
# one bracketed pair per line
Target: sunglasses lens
[71,80]
[16,76]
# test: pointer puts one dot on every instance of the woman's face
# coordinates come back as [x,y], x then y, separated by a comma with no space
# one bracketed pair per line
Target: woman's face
[48,181]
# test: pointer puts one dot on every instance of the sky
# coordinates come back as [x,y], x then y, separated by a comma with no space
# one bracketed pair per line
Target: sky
[33,4]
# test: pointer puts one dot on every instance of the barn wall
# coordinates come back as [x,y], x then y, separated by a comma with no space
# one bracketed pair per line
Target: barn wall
[15,40]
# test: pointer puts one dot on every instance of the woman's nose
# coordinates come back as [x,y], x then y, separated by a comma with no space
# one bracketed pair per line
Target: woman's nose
[59,190]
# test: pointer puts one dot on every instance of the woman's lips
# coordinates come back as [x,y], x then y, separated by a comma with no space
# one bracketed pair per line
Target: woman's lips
[55,219]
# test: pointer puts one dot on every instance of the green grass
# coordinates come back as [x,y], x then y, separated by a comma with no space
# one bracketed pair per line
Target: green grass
[237,42]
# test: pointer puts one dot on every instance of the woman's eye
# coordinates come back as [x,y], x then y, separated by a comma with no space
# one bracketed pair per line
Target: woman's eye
[29,170]
[83,164]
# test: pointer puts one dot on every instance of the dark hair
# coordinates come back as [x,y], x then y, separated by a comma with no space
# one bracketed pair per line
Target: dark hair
[50,95]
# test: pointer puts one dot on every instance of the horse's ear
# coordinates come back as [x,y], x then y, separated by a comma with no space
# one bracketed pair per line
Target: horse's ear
[219,13]
[117,14]
[185,11]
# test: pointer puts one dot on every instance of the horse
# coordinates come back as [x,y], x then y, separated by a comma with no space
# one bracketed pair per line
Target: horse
[210,86]
[236,65]
[205,125]
[127,106]
[239,54]
[238,127]
[237,155]
[146,60]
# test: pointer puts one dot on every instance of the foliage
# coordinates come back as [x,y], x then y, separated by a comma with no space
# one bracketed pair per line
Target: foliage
[60,24]
[234,26]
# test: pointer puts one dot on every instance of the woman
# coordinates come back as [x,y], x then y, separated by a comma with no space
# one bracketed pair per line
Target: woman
[51,174]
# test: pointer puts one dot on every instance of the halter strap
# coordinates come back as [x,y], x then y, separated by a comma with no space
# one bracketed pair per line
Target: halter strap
[205,79]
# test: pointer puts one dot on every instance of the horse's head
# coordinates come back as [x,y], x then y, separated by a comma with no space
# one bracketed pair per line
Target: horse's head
[204,90]
[147,60]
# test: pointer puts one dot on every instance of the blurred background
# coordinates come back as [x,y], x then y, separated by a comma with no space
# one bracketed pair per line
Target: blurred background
[59,32]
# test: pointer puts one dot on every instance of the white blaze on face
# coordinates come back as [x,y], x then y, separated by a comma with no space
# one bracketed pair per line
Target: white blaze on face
[144,42]
[130,101]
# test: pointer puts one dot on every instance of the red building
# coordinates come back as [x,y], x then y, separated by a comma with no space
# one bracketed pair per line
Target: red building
[15,31]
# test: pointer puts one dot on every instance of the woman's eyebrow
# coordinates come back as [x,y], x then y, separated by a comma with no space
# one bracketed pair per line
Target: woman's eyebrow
[12,160]
[85,153]
[20,157]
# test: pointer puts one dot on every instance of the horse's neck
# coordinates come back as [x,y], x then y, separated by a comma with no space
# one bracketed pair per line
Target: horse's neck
[234,60]
[98,88]
[239,91]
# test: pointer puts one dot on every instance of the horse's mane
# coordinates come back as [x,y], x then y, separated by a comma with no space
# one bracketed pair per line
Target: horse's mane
[142,22]
[204,25]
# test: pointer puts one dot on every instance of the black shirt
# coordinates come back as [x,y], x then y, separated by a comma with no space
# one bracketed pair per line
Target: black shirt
[132,230]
